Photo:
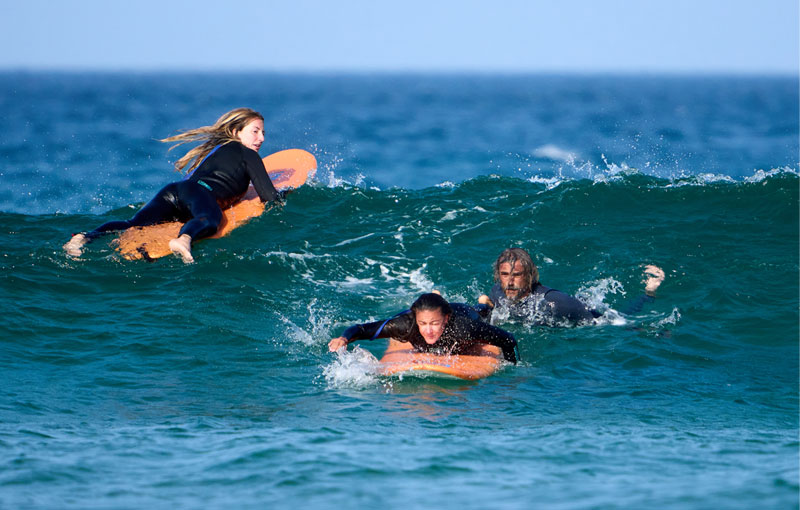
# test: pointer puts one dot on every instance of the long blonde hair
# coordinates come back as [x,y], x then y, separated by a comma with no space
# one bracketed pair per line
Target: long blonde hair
[223,131]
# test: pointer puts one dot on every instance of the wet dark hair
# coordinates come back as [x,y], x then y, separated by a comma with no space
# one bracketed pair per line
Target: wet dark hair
[512,255]
[431,302]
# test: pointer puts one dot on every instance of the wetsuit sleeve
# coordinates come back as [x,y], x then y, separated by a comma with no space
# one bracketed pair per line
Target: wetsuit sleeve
[496,293]
[637,304]
[465,310]
[564,306]
[259,177]
[488,334]
[484,311]
[397,327]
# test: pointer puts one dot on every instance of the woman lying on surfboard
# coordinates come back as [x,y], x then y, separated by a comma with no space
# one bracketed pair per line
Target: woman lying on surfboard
[219,172]
[433,325]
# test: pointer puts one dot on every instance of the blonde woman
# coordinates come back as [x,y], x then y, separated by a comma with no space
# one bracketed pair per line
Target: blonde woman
[219,172]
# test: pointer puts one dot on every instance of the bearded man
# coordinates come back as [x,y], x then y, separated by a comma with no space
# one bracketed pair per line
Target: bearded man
[518,294]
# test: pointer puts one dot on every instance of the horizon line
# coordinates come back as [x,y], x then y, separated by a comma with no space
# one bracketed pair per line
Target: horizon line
[403,71]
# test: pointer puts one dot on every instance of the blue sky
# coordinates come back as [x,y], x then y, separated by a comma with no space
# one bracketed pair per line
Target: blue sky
[631,36]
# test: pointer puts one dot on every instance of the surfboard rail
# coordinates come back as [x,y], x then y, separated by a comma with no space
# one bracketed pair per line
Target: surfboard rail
[288,169]
[401,358]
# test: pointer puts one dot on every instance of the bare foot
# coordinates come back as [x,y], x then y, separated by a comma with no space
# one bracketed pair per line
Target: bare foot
[74,247]
[182,246]
[654,276]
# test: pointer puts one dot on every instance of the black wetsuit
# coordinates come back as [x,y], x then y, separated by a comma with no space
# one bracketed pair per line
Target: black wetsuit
[463,330]
[545,306]
[542,306]
[221,178]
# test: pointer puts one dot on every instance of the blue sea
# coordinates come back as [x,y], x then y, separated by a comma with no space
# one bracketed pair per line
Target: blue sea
[165,385]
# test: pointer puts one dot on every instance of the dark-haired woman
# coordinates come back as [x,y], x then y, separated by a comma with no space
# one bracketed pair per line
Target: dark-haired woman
[433,325]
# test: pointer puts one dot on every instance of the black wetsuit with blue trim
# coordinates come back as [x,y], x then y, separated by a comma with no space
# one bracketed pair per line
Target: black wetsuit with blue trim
[222,178]
[463,330]
[545,306]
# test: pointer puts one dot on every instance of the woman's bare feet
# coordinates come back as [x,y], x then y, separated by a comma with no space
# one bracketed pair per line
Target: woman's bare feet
[182,246]
[74,246]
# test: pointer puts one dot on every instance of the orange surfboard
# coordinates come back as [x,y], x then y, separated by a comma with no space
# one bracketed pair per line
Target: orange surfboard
[400,358]
[287,169]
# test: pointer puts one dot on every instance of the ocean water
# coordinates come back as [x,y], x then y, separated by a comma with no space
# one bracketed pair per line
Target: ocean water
[164,385]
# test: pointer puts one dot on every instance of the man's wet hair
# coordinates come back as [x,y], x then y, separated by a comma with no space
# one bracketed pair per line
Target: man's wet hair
[512,255]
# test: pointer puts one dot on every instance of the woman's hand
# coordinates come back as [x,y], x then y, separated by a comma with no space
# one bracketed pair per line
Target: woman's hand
[337,343]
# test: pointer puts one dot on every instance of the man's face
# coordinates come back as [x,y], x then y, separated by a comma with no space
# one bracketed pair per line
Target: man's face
[514,280]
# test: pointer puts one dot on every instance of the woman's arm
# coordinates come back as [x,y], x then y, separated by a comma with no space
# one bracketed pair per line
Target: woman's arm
[488,334]
[398,326]
[259,176]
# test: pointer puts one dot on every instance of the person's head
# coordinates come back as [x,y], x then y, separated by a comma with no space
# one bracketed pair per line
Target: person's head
[431,313]
[516,273]
[243,125]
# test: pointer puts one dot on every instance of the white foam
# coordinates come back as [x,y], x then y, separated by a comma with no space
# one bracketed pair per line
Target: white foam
[351,281]
[403,277]
[451,215]
[297,256]
[319,325]
[760,175]
[700,180]
[297,334]
[594,294]
[418,278]
[549,182]
[555,153]
[399,237]
[326,175]
[352,369]
[353,240]
[612,317]
[612,172]
[671,319]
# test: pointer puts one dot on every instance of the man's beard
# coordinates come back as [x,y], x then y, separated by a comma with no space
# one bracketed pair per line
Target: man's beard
[517,296]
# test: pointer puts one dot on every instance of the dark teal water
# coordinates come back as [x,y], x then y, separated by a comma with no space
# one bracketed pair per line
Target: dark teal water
[134,384]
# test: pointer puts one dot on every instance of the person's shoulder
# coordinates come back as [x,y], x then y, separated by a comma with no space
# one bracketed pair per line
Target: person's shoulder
[252,157]
[402,323]
[459,320]
[555,295]
[400,318]
[563,305]
[538,288]
[464,310]
[235,147]
[231,146]
[496,292]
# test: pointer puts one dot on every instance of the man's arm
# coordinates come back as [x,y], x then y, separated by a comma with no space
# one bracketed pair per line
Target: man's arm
[563,306]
